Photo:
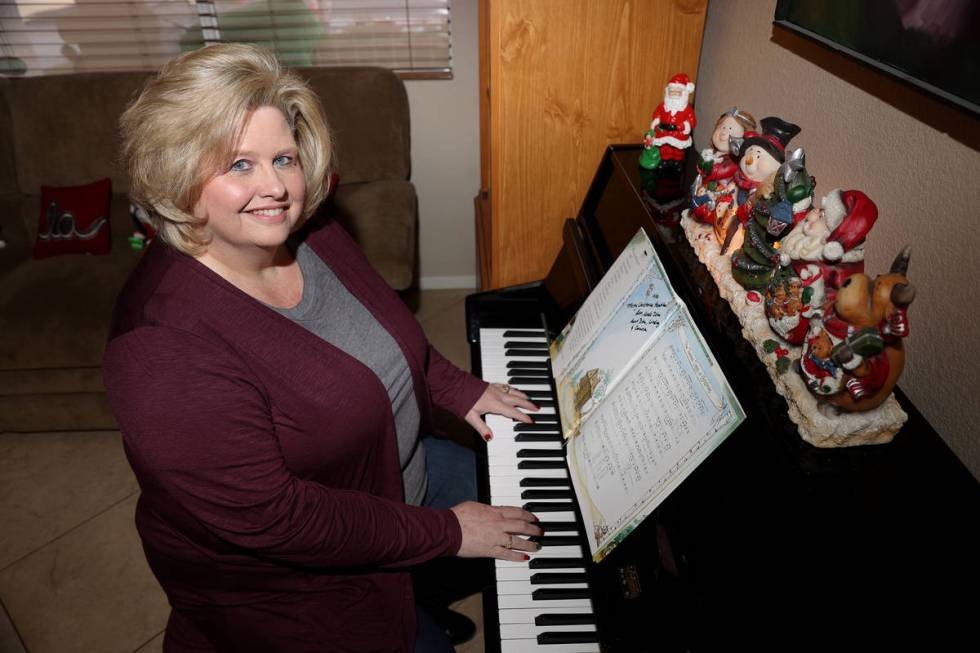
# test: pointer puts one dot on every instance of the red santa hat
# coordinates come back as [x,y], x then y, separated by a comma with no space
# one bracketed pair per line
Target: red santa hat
[849,214]
[681,79]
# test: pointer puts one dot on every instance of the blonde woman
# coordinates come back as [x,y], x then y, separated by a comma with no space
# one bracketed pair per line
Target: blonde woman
[270,387]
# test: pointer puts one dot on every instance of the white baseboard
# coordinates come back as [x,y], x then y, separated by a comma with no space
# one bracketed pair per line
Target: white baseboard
[447,283]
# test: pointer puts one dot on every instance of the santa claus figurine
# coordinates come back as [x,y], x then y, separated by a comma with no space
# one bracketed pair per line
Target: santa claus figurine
[673,121]
[833,237]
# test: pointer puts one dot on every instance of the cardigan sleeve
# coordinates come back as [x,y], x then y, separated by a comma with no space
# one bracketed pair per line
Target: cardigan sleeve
[450,387]
[201,440]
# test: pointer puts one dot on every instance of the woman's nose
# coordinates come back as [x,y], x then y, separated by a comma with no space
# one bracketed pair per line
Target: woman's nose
[271,183]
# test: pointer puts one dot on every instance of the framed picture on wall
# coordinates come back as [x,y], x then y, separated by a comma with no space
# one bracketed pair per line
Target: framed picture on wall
[932,44]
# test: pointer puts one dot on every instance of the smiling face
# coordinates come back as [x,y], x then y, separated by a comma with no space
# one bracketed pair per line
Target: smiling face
[757,164]
[258,200]
[726,128]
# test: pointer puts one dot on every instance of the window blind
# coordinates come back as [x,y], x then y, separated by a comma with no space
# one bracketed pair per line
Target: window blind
[40,37]
[57,36]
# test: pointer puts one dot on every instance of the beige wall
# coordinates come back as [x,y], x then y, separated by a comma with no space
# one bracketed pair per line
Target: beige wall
[915,157]
[446,159]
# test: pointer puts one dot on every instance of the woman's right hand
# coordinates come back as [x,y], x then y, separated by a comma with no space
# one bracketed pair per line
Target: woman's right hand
[494,531]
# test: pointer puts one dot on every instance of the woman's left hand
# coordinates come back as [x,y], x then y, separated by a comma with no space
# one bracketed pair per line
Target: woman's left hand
[500,399]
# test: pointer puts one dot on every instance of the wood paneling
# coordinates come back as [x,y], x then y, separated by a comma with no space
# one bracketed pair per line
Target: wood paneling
[565,78]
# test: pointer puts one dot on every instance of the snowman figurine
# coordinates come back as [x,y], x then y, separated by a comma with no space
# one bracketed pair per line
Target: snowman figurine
[758,157]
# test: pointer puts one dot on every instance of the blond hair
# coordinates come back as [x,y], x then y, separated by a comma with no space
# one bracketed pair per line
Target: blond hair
[183,128]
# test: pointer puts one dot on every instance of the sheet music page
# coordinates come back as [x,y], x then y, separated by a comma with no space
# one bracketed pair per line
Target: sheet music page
[672,407]
[602,302]
[592,352]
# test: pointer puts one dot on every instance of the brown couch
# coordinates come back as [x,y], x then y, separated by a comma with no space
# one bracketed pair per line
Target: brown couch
[61,131]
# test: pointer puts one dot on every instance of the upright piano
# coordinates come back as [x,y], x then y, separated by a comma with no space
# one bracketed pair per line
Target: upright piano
[771,544]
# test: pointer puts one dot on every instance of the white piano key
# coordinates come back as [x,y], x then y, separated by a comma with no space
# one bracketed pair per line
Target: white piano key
[525,587]
[532,646]
[500,469]
[527,615]
[528,631]
[567,551]
[506,447]
[505,601]
[524,573]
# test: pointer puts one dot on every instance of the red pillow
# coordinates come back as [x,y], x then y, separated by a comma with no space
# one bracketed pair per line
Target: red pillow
[74,220]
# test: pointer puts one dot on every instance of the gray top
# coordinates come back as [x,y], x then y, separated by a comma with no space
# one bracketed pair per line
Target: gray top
[328,310]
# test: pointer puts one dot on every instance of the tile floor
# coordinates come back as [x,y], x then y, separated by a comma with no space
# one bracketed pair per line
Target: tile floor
[72,572]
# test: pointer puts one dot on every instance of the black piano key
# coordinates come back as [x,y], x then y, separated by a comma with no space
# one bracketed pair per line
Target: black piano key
[567,637]
[553,526]
[560,593]
[544,379]
[531,481]
[534,395]
[516,333]
[541,464]
[543,562]
[542,419]
[572,619]
[537,437]
[547,494]
[523,427]
[543,403]
[554,578]
[549,506]
[528,365]
[540,453]
[557,540]
[523,344]
[531,376]
[529,353]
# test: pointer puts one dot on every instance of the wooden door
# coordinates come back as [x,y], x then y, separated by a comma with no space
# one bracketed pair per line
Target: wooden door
[560,80]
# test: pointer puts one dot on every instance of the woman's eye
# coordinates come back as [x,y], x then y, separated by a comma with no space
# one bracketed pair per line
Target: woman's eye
[240,166]
[283,160]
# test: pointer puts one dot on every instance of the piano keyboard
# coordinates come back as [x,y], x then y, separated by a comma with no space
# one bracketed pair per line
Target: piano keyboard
[545,604]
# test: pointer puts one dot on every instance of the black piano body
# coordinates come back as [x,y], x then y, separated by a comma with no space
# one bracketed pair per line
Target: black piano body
[771,544]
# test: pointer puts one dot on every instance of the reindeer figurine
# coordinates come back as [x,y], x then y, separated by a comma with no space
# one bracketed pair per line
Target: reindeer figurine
[853,356]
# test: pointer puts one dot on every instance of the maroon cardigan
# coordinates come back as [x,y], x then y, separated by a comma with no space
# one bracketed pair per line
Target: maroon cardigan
[272,510]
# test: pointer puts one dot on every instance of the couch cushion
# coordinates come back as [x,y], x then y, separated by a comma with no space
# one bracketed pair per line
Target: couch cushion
[8,176]
[368,113]
[65,128]
[15,234]
[54,312]
[386,225]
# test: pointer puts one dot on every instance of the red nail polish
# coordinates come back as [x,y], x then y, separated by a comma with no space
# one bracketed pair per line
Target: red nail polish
[526,557]
[488,436]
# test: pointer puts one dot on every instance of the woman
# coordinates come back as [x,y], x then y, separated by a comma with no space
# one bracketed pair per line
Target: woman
[266,443]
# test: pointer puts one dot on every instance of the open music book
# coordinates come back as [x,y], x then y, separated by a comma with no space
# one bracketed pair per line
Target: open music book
[641,397]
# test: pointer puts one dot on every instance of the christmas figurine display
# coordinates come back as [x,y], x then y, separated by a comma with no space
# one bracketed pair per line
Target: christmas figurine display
[758,157]
[716,166]
[853,355]
[672,122]
[781,201]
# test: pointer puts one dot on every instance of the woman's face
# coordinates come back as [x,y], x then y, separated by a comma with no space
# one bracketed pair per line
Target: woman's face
[258,200]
